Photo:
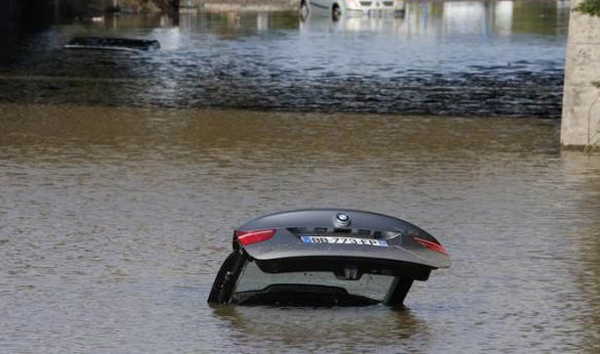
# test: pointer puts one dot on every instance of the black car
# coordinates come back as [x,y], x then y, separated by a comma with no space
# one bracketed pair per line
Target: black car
[328,257]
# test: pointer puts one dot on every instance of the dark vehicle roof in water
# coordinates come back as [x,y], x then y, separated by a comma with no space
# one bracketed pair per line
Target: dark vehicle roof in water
[126,44]
[326,256]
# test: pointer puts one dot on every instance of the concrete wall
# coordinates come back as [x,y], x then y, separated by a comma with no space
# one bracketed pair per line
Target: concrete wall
[581,102]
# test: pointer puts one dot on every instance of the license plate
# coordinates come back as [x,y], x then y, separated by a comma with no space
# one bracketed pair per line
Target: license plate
[335,240]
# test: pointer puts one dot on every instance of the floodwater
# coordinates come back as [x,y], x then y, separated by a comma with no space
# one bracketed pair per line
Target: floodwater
[114,222]
[483,58]
[122,177]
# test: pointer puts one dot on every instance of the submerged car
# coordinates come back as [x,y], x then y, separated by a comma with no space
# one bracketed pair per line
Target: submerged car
[326,257]
[123,44]
[338,8]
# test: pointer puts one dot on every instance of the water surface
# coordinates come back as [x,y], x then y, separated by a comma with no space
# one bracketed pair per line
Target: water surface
[114,222]
[483,58]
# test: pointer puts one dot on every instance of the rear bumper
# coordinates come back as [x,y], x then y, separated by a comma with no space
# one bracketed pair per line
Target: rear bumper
[391,253]
[402,249]
[337,265]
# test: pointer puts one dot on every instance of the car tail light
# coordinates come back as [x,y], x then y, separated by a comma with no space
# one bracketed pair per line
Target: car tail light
[246,238]
[436,247]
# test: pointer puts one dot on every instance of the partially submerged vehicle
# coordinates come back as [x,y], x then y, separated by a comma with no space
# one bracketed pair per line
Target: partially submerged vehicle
[125,44]
[326,257]
[338,8]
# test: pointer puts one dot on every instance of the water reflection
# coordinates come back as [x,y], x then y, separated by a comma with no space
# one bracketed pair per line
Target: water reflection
[460,18]
[445,18]
[444,58]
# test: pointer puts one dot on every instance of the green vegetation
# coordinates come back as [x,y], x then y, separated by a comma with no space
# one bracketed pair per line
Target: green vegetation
[589,7]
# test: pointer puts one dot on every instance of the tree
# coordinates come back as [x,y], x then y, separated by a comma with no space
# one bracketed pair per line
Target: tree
[590,7]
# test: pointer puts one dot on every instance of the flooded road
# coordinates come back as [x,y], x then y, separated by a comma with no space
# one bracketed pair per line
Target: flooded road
[122,176]
[481,58]
[114,222]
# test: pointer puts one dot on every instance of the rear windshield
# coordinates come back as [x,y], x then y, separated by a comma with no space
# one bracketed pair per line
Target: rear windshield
[370,287]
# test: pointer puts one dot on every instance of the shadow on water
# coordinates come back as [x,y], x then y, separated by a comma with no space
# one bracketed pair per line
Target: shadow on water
[487,58]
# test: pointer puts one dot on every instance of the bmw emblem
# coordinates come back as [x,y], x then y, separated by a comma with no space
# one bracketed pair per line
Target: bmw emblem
[342,219]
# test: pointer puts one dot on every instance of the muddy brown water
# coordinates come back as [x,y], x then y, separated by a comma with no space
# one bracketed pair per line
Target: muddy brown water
[114,221]
[120,185]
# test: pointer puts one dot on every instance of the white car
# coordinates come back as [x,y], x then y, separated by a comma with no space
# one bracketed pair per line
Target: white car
[339,8]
